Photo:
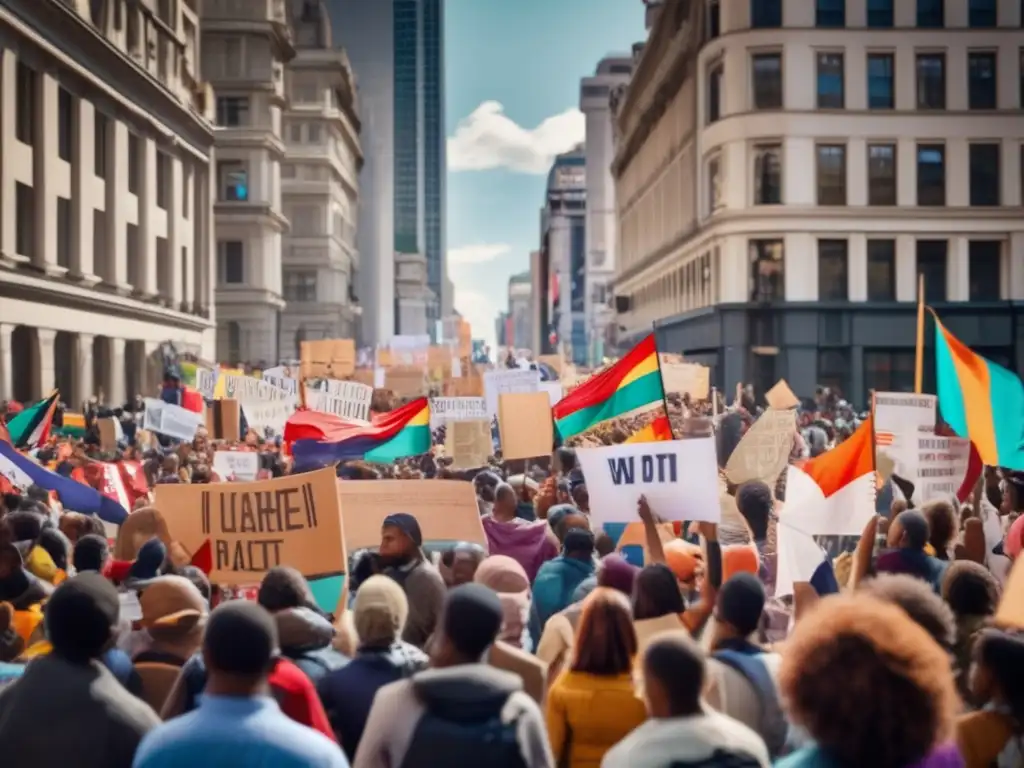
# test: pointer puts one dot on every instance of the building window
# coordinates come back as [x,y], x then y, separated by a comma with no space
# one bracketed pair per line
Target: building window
[714,184]
[931,81]
[300,286]
[889,370]
[931,263]
[831,174]
[767,76]
[881,270]
[313,132]
[64,232]
[831,92]
[765,14]
[982,13]
[830,13]
[232,111]
[834,369]
[100,144]
[162,162]
[931,14]
[981,80]
[134,163]
[714,20]
[881,174]
[768,174]
[833,270]
[931,174]
[65,123]
[767,270]
[231,254]
[25,107]
[25,219]
[232,181]
[985,177]
[880,14]
[985,270]
[881,90]
[715,93]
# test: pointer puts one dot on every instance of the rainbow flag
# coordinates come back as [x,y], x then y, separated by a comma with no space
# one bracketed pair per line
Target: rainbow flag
[632,383]
[393,435]
[72,424]
[980,400]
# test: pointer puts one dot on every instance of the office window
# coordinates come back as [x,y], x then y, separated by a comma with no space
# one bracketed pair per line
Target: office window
[64,232]
[232,111]
[232,181]
[831,174]
[931,174]
[65,123]
[232,261]
[765,14]
[714,93]
[881,270]
[300,285]
[982,13]
[767,77]
[25,106]
[931,263]
[931,81]
[881,89]
[830,13]
[767,270]
[881,174]
[981,80]
[24,219]
[985,270]
[162,166]
[134,163]
[834,369]
[880,14]
[889,370]
[768,174]
[714,28]
[985,179]
[714,184]
[931,14]
[100,144]
[831,91]
[833,270]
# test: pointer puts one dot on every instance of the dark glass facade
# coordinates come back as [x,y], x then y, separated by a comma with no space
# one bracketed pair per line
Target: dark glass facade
[406,200]
[433,145]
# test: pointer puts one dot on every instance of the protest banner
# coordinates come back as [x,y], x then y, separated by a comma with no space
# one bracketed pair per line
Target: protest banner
[447,409]
[353,402]
[223,419]
[525,425]
[281,378]
[686,379]
[236,532]
[781,397]
[327,358]
[468,443]
[405,380]
[171,420]
[678,477]
[268,416]
[507,382]
[410,350]
[763,453]
[246,389]
[234,466]
[206,382]
[446,510]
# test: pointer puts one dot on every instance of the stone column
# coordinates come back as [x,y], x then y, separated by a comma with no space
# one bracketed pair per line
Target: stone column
[116,191]
[83,162]
[116,395]
[8,185]
[47,375]
[44,163]
[6,362]
[175,241]
[147,201]
[85,387]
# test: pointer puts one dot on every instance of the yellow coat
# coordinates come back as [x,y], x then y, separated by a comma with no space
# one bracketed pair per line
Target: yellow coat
[587,715]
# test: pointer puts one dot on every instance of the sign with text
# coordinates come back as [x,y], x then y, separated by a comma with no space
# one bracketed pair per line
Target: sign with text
[327,358]
[468,443]
[507,382]
[235,466]
[246,389]
[352,401]
[763,453]
[686,378]
[242,530]
[171,420]
[678,477]
[284,383]
[206,382]
[268,416]
[446,409]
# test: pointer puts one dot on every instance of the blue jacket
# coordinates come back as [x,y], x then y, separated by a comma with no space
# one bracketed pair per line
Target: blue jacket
[556,581]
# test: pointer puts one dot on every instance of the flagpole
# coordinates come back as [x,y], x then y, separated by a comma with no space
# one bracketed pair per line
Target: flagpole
[664,399]
[919,355]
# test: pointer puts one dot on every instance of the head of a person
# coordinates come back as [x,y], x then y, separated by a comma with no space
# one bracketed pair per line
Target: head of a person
[605,641]
[563,461]
[738,608]
[465,559]
[240,647]
[39,494]
[581,497]
[853,667]
[615,572]
[942,525]
[997,670]
[379,612]
[673,675]
[470,621]
[150,560]
[572,519]
[563,494]
[91,553]
[503,574]
[656,593]
[909,531]
[505,501]
[970,589]
[484,483]
[578,544]
[174,612]
[400,539]
[81,617]
[685,560]
[755,501]
[56,546]
[284,588]
[199,580]
[919,601]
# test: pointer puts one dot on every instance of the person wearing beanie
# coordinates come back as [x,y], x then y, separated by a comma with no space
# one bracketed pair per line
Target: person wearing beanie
[461,708]
[237,723]
[67,708]
[401,553]
[557,579]
[379,611]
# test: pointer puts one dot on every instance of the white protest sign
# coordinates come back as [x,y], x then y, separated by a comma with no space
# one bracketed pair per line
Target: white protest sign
[280,377]
[507,382]
[171,420]
[14,474]
[678,477]
[554,390]
[355,406]
[206,382]
[445,409]
[246,389]
[264,416]
[242,466]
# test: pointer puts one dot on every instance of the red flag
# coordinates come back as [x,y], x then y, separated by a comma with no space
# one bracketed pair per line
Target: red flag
[192,400]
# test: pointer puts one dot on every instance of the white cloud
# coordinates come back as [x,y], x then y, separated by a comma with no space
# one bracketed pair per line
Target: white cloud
[478,253]
[488,139]
[479,310]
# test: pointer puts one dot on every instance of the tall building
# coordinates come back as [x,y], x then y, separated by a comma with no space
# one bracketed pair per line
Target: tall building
[813,160]
[247,44]
[319,182]
[105,184]
[520,311]
[397,52]
[596,94]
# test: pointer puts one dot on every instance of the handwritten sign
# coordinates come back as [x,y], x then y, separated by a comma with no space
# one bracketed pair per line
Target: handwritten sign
[206,382]
[353,405]
[764,451]
[507,382]
[270,416]
[327,358]
[448,409]
[686,378]
[246,389]
[468,443]
[781,397]
[171,420]
[233,466]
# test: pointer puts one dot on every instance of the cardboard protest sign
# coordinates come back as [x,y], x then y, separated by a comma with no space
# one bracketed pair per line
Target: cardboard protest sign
[446,510]
[781,397]
[469,385]
[405,381]
[234,466]
[246,389]
[686,378]
[678,477]
[524,425]
[448,409]
[108,429]
[206,382]
[468,443]
[268,416]
[236,532]
[171,420]
[348,399]
[327,358]
[223,419]
[507,382]
[763,453]
[555,362]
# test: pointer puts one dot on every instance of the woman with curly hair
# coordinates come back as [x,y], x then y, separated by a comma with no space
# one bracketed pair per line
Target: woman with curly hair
[994,736]
[870,686]
[972,592]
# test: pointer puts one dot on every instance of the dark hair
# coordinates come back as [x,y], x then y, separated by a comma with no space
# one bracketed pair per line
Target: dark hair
[56,545]
[1002,652]
[240,639]
[915,528]
[942,526]
[605,641]
[472,619]
[81,616]
[656,593]
[970,589]
[755,501]
[919,601]
[566,459]
[740,602]
[199,579]
[677,663]
[90,553]
[282,588]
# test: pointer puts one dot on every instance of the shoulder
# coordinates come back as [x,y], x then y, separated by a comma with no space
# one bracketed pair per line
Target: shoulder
[807,757]
[168,738]
[739,736]
[425,572]
[393,693]
[622,754]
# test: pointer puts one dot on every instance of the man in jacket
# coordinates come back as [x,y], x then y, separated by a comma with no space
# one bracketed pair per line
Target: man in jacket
[557,579]
[401,553]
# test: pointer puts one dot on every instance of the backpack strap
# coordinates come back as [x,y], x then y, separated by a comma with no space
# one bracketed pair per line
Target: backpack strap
[773,726]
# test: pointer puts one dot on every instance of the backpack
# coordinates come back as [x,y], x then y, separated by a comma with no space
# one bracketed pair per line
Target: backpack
[773,728]
[318,663]
[463,742]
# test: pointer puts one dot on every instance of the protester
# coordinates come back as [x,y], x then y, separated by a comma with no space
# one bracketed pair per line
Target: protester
[402,555]
[557,579]
[459,564]
[529,543]
[918,601]
[907,537]
[972,593]
[91,553]
[237,724]
[994,735]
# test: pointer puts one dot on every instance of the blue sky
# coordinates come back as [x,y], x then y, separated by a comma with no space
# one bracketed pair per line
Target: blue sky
[512,91]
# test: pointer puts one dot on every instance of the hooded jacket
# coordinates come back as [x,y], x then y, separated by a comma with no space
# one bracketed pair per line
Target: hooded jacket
[528,543]
[305,637]
[425,590]
[555,583]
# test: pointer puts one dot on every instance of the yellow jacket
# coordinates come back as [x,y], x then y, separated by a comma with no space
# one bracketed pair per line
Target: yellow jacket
[587,715]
